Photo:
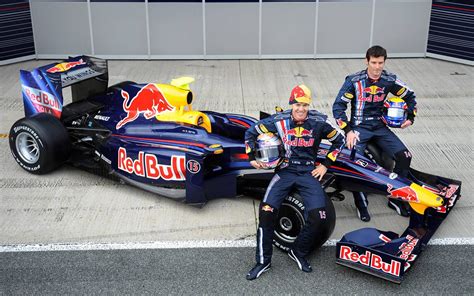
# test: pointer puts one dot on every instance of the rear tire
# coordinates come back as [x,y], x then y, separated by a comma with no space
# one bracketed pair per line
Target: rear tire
[291,221]
[39,143]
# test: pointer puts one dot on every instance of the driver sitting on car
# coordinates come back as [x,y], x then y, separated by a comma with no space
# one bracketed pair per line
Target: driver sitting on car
[366,92]
[289,142]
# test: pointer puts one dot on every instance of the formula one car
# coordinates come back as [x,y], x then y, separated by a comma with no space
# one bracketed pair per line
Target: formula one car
[149,136]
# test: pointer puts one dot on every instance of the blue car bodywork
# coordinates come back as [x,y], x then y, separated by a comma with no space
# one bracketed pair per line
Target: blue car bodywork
[148,135]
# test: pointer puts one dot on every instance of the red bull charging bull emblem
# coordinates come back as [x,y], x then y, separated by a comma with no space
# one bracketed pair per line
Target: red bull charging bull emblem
[149,100]
[63,67]
[405,193]
[374,94]
[298,137]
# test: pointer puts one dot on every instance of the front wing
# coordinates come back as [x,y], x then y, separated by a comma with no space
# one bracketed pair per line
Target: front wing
[387,255]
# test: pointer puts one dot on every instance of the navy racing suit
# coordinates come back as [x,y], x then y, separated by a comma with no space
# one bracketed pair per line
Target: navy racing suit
[301,143]
[366,98]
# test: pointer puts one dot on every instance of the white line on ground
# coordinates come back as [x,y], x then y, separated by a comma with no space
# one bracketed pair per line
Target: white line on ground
[177,245]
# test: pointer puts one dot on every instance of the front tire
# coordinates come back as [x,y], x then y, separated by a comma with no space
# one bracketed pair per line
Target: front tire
[39,143]
[290,222]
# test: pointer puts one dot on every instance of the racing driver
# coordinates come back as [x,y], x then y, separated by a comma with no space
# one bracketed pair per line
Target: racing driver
[366,92]
[300,131]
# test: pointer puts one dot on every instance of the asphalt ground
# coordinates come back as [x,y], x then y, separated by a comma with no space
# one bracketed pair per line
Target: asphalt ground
[440,270]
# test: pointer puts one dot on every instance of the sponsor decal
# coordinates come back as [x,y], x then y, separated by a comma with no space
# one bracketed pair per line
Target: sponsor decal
[393,176]
[333,155]
[102,117]
[79,74]
[434,190]
[42,100]
[349,95]
[408,264]
[247,148]
[322,152]
[267,208]
[374,94]
[148,101]
[449,193]
[295,201]
[451,190]
[371,260]
[401,91]
[362,163]
[331,134]
[147,166]
[193,166]
[299,132]
[405,193]
[341,123]
[407,248]
[384,238]
[63,67]
[299,137]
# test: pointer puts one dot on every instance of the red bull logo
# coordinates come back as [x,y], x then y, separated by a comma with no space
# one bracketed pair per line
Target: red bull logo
[299,134]
[371,260]
[333,155]
[147,166]
[267,208]
[63,67]
[149,100]
[405,193]
[374,93]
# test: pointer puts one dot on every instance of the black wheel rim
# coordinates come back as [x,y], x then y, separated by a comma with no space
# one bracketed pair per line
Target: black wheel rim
[289,223]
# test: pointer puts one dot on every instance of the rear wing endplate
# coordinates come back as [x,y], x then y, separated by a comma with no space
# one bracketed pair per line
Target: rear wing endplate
[42,87]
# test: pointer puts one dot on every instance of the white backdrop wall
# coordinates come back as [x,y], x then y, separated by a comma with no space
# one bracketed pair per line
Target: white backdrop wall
[155,29]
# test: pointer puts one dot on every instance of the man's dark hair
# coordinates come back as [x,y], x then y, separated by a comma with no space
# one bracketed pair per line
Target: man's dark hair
[376,51]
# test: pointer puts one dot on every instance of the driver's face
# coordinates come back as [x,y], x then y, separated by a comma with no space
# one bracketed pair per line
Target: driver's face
[299,111]
[375,66]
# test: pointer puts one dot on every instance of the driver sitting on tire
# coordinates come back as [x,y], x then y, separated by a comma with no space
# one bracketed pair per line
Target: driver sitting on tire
[300,132]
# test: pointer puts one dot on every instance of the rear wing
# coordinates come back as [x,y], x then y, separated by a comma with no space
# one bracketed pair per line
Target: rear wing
[42,87]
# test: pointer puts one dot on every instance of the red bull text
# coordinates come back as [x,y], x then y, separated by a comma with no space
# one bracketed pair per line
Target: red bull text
[43,101]
[147,166]
[149,100]
[371,260]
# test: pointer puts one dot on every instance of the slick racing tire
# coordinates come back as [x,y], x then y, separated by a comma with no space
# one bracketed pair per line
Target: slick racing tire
[291,221]
[39,143]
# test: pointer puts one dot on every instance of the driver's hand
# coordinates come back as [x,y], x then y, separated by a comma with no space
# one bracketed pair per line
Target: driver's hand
[319,172]
[406,123]
[256,164]
[351,139]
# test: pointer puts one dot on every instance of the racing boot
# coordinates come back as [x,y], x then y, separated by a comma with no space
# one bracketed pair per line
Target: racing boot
[258,270]
[402,208]
[361,203]
[303,264]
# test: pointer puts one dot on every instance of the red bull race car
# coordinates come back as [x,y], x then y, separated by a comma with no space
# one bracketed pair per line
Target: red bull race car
[149,136]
